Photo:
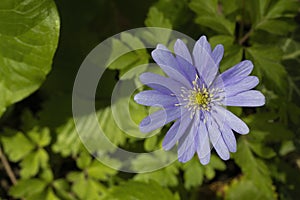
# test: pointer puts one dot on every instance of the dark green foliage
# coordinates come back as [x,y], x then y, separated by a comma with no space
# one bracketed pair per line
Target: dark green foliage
[37,130]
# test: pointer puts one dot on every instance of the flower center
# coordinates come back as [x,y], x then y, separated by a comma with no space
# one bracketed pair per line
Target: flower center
[199,98]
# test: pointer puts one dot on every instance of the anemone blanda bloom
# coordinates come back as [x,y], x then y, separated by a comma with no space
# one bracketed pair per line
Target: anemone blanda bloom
[195,95]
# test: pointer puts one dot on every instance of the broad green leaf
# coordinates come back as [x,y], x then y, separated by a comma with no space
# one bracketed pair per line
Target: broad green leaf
[203,7]
[262,150]
[282,8]
[137,56]
[174,10]
[68,142]
[226,40]
[256,9]
[215,164]
[228,7]
[46,174]
[27,188]
[61,188]
[267,65]
[193,173]
[16,145]
[84,160]
[287,147]
[277,27]
[264,128]
[217,23]
[209,15]
[86,188]
[39,136]
[50,195]
[31,164]
[138,190]
[232,56]
[156,19]
[166,176]
[99,171]
[291,49]
[150,143]
[244,189]
[110,128]
[28,39]
[253,168]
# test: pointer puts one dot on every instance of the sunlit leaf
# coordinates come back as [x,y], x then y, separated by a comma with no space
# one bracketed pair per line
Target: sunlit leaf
[28,39]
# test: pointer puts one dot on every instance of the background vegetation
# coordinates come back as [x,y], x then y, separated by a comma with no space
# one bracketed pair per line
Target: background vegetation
[43,43]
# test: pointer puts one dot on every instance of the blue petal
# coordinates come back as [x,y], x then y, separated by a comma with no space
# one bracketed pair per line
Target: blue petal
[229,138]
[159,119]
[152,80]
[155,98]
[227,134]
[216,139]
[169,65]
[237,72]
[245,84]
[203,61]
[176,131]
[181,50]
[187,68]
[217,54]
[231,120]
[186,144]
[251,98]
[203,147]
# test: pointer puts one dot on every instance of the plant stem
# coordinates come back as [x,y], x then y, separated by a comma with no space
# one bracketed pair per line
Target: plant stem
[7,167]
[246,36]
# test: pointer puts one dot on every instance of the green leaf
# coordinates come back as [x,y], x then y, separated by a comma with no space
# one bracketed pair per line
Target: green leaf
[16,145]
[156,19]
[203,7]
[218,24]
[84,160]
[209,15]
[99,171]
[138,190]
[67,142]
[232,56]
[244,189]
[166,176]
[267,64]
[31,164]
[262,150]
[174,10]
[50,195]
[28,39]
[86,188]
[264,128]
[256,9]
[137,54]
[229,7]
[277,27]
[193,173]
[150,143]
[61,188]
[282,8]
[253,168]
[215,164]
[287,147]
[39,136]
[27,188]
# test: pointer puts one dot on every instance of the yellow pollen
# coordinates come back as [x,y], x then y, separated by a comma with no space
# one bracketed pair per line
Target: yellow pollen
[200,98]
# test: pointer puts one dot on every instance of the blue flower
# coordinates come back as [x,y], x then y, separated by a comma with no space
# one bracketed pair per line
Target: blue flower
[194,96]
